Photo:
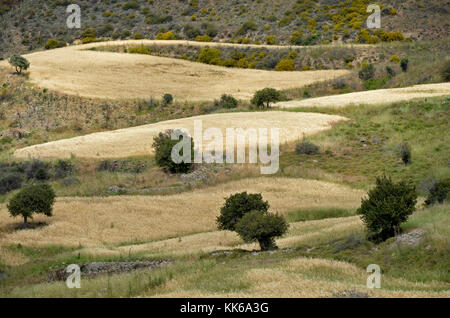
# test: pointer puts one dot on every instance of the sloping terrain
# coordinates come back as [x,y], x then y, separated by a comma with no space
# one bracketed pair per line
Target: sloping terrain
[95,222]
[380,96]
[73,70]
[138,140]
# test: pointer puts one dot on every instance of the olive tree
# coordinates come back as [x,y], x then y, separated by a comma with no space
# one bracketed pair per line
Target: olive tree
[31,200]
[19,62]
[264,97]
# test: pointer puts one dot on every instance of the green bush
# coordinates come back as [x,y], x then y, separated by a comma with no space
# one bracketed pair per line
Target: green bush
[439,192]
[53,44]
[367,72]
[261,227]
[404,64]
[10,181]
[19,62]
[247,26]
[404,150]
[387,206]
[168,99]
[228,101]
[375,83]
[32,199]
[163,145]
[236,206]
[307,148]
[445,71]
[264,97]
[209,54]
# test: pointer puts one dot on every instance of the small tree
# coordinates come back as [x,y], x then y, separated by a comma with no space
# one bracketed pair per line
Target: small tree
[32,199]
[405,153]
[236,206]
[404,63]
[163,145]
[388,205]
[19,62]
[307,148]
[261,227]
[264,97]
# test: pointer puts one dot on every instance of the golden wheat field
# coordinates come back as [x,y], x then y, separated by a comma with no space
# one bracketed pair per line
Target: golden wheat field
[95,222]
[74,70]
[138,140]
[380,96]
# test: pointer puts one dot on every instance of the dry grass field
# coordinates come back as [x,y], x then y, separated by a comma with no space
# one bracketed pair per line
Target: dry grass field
[380,96]
[75,70]
[97,222]
[138,140]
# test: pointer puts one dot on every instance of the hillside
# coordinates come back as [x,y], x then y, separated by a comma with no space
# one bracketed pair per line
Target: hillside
[28,24]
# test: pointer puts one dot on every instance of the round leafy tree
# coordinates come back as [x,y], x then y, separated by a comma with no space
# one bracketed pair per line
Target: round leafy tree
[264,97]
[388,205]
[236,206]
[261,227]
[19,62]
[163,145]
[32,199]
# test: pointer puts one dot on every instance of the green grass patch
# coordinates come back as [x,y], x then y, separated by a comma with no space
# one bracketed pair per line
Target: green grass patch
[317,214]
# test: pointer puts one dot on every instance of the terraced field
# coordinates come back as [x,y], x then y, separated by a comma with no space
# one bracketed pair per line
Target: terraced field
[138,140]
[75,70]
[380,96]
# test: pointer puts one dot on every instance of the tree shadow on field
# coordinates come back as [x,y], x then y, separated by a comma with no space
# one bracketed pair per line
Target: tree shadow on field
[18,226]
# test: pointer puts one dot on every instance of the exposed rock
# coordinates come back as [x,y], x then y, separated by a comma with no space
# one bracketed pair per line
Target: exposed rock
[412,238]
[95,268]
[350,293]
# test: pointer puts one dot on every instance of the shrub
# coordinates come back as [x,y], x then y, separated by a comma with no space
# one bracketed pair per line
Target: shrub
[32,199]
[10,181]
[63,168]
[89,33]
[405,152]
[387,206]
[203,38]
[228,101]
[209,54]
[307,148]
[404,63]
[395,59]
[166,36]
[130,5]
[375,83]
[247,26]
[445,71]
[19,62]
[285,65]
[88,40]
[53,44]
[163,145]
[270,40]
[439,192]
[264,97]
[261,227]
[236,206]
[390,71]
[35,168]
[367,72]
[138,36]
[168,99]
